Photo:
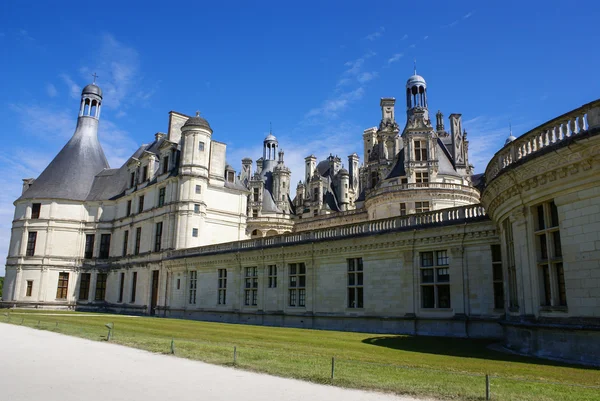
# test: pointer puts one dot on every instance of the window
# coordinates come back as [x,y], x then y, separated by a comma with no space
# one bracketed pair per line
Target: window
[198,189]
[222,285]
[201,146]
[196,208]
[374,178]
[125,241]
[158,237]
[403,209]
[355,283]
[251,286]
[132,180]
[316,212]
[178,283]
[549,256]
[84,286]
[32,236]
[421,178]
[145,174]
[497,277]
[161,196]
[104,246]
[194,232]
[100,287]
[121,287]
[193,286]
[255,194]
[297,287]
[141,204]
[272,276]
[29,288]
[129,207]
[165,166]
[133,286]
[89,246]
[513,299]
[316,193]
[63,286]
[420,150]
[421,207]
[435,280]
[138,238]
[230,176]
[35,210]
[254,213]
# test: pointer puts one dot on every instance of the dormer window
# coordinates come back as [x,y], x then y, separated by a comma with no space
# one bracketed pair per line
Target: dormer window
[145,174]
[230,176]
[165,166]
[35,210]
[420,150]
[132,180]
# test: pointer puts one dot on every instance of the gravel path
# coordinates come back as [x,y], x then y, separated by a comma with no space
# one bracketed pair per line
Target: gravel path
[41,365]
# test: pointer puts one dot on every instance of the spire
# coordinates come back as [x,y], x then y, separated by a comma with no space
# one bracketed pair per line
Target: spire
[415,63]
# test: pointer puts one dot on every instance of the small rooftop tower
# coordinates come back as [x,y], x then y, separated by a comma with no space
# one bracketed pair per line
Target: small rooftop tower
[416,92]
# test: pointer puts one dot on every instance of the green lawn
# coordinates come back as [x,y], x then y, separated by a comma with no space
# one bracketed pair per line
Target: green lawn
[445,368]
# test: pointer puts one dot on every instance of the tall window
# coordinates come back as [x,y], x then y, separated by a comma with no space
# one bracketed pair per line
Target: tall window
[255,194]
[435,280]
[549,256]
[165,166]
[100,287]
[104,246]
[125,241]
[145,174]
[29,288]
[63,285]
[193,286]
[132,180]
[497,277]
[121,287]
[355,283]
[138,239]
[297,287]
[251,285]
[421,207]
[35,210]
[374,178]
[403,209]
[222,286]
[161,196]
[31,238]
[198,189]
[133,286]
[420,150]
[128,208]
[201,146]
[158,237]
[84,286]
[513,299]
[89,246]
[141,204]
[421,178]
[194,232]
[196,208]
[316,193]
[272,276]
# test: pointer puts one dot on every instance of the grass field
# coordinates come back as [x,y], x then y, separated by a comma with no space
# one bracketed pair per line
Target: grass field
[444,368]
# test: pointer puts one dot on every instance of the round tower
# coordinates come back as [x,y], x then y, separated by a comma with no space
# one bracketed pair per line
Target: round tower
[196,135]
[343,197]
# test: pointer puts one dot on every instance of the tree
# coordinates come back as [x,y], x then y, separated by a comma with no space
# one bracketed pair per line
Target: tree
[1,285]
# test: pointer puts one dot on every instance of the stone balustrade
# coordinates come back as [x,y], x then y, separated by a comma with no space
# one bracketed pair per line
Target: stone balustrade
[422,186]
[400,223]
[554,131]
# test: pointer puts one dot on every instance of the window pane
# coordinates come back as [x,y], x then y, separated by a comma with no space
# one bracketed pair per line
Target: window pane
[427,295]
[560,278]
[496,254]
[351,298]
[427,276]
[351,279]
[557,245]
[302,281]
[540,218]
[553,215]
[443,276]
[443,296]
[543,248]
[497,272]
[359,279]
[359,297]
[546,290]
[426,259]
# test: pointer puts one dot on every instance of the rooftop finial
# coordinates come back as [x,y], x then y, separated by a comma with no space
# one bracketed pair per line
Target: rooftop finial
[270,128]
[95,76]
[197,113]
[510,127]
[415,61]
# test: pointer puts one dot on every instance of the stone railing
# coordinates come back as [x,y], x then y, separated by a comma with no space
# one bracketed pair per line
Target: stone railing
[400,223]
[554,131]
[422,186]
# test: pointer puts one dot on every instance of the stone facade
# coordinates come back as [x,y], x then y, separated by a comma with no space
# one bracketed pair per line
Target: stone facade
[174,232]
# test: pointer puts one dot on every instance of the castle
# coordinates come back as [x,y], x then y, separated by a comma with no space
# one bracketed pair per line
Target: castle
[409,241]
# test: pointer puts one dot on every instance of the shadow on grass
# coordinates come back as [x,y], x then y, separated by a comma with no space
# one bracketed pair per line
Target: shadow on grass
[459,347]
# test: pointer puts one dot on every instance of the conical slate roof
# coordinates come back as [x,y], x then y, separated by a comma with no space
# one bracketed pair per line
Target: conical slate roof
[71,174]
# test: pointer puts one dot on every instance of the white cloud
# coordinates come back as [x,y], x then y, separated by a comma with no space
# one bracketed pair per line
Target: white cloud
[426,37]
[51,90]
[376,34]
[395,58]
[332,107]
[404,37]
[366,76]
[74,89]
[468,15]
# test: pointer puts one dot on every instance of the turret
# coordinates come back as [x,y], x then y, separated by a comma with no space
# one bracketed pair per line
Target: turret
[342,195]
[196,142]
[310,163]
[246,174]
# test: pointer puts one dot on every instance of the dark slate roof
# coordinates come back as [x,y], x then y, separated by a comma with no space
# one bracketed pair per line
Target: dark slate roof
[92,89]
[108,184]
[71,174]
[445,160]
[197,121]
[398,170]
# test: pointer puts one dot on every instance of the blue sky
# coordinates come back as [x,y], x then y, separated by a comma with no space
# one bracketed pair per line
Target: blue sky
[316,70]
